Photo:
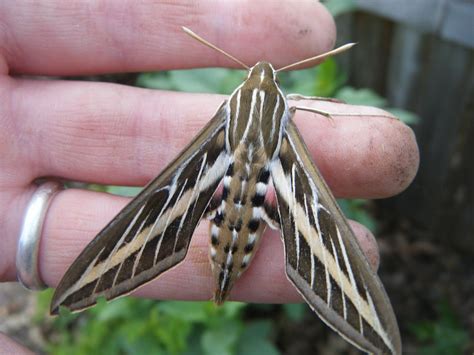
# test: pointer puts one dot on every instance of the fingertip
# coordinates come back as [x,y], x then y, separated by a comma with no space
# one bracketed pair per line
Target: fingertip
[394,153]
[369,153]
[368,243]
[329,24]
[9,346]
[404,168]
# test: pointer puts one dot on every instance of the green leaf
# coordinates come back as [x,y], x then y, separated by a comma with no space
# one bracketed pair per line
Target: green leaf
[442,336]
[299,81]
[96,187]
[356,209]
[128,191]
[232,309]
[186,311]
[155,80]
[295,311]
[339,7]
[208,80]
[197,80]
[324,80]
[43,300]
[254,340]
[112,311]
[404,116]
[328,79]
[221,339]
[173,334]
[194,342]
[364,97]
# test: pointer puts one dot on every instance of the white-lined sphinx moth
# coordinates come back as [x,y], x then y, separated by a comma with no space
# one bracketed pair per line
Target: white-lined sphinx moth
[250,142]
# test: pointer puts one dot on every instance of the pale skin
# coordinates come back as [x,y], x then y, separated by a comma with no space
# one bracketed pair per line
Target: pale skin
[113,134]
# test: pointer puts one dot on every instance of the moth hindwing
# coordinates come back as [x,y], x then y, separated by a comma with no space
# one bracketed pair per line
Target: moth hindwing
[249,145]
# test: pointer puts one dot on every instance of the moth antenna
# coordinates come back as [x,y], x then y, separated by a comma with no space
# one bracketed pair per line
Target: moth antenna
[320,56]
[207,43]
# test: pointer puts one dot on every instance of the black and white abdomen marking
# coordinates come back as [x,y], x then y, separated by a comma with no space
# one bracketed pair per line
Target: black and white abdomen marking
[237,224]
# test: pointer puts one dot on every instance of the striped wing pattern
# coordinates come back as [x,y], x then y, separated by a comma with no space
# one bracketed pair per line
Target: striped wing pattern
[323,258]
[152,233]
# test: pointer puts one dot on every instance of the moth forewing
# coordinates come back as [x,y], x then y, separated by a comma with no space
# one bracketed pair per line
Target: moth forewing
[152,233]
[323,258]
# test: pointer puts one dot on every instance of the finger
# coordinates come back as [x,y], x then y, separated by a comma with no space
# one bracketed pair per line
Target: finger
[361,151]
[62,38]
[112,134]
[75,216]
[9,346]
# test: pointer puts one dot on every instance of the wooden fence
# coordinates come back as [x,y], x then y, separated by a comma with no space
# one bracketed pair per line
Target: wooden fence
[419,55]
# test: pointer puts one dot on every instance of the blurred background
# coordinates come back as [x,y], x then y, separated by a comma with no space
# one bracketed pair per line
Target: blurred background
[413,58]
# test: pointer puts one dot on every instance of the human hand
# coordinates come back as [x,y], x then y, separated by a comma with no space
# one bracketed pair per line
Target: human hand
[118,135]
[9,346]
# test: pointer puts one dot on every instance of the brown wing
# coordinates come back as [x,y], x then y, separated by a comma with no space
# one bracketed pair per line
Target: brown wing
[323,258]
[152,233]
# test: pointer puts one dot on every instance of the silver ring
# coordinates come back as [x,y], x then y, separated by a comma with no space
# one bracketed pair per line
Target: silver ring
[30,235]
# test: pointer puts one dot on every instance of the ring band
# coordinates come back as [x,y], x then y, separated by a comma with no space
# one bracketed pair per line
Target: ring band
[30,235]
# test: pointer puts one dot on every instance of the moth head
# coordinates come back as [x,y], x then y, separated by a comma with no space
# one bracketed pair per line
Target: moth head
[262,70]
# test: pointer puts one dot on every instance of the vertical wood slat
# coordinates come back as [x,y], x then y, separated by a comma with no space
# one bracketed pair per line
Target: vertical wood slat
[435,79]
[451,20]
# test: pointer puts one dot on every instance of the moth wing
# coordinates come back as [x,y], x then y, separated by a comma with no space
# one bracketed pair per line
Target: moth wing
[152,233]
[323,258]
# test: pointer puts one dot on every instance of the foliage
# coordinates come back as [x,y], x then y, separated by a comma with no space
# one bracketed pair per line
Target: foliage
[295,311]
[339,7]
[357,210]
[208,80]
[444,336]
[368,97]
[138,326]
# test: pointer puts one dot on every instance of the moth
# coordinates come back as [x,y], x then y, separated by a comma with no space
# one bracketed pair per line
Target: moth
[249,144]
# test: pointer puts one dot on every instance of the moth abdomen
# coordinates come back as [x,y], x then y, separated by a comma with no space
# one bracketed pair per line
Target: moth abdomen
[237,225]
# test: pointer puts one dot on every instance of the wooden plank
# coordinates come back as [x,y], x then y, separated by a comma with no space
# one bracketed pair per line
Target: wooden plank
[455,224]
[369,62]
[434,78]
[458,24]
[442,97]
[451,20]
[404,68]
[425,15]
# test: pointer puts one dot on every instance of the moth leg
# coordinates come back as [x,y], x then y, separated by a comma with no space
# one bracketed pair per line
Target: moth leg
[271,216]
[313,110]
[330,116]
[298,97]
